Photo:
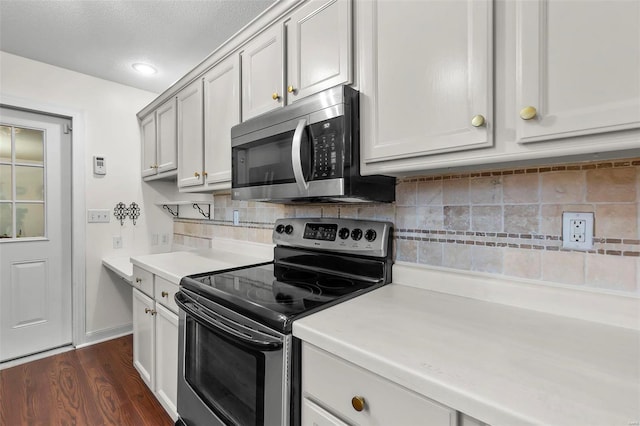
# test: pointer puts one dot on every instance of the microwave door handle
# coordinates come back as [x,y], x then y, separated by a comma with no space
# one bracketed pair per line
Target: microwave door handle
[303,185]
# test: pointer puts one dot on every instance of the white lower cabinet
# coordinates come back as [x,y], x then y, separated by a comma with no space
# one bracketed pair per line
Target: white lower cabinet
[166,351]
[155,336]
[334,389]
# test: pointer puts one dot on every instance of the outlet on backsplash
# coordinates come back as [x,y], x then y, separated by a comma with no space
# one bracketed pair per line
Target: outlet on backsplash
[577,231]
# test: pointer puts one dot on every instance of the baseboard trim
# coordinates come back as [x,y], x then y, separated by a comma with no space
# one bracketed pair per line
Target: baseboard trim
[99,336]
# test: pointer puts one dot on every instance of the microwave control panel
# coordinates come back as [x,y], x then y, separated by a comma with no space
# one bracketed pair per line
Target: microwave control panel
[327,139]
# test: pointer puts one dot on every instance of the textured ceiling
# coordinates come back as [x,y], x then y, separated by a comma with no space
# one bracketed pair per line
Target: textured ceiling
[104,38]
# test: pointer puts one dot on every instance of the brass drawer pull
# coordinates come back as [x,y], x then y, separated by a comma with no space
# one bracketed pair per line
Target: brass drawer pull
[358,403]
[165,294]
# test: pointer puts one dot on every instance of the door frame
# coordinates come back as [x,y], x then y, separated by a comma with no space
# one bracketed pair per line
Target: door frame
[78,230]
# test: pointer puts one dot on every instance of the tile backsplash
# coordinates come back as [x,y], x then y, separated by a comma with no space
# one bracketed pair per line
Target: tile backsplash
[506,222]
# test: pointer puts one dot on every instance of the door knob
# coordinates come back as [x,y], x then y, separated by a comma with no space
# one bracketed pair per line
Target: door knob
[477,121]
[527,113]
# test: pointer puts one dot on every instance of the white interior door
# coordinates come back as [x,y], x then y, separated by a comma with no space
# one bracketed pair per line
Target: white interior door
[35,233]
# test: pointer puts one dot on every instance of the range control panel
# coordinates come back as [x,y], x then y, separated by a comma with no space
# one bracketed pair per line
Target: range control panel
[366,237]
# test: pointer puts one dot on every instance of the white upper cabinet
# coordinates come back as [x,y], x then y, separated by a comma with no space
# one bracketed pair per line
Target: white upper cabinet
[148,136]
[159,142]
[262,73]
[577,70]
[190,135]
[318,56]
[221,112]
[426,73]
[319,47]
[167,151]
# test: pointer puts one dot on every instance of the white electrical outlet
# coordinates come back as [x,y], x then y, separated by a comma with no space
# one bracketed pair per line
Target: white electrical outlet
[117,242]
[98,216]
[577,230]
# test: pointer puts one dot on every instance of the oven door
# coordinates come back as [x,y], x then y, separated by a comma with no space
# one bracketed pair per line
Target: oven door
[230,373]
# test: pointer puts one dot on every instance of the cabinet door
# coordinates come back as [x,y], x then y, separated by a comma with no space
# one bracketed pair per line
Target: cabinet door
[143,337]
[578,67]
[426,72]
[318,47]
[221,112]
[190,135]
[262,69]
[148,136]
[166,350]
[167,137]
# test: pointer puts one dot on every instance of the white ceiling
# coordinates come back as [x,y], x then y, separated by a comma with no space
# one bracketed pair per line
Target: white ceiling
[104,38]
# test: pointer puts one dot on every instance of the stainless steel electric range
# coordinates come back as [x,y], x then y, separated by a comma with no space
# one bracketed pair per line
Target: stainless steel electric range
[238,361]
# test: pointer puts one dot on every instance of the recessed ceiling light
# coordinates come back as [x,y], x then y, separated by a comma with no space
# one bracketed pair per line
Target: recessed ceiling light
[145,69]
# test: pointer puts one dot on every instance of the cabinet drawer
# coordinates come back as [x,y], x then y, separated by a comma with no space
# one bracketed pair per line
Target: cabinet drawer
[164,292]
[312,414]
[143,280]
[332,383]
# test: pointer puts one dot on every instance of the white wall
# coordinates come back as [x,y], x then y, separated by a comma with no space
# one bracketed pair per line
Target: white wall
[110,130]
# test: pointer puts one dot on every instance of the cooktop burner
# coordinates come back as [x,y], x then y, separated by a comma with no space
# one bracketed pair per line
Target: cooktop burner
[312,269]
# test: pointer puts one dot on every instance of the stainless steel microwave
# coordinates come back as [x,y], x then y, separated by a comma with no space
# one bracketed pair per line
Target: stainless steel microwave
[305,152]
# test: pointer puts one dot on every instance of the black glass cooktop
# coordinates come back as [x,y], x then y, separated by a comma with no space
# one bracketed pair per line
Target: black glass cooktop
[276,294]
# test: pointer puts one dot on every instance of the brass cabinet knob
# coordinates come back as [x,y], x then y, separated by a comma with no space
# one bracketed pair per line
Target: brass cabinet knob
[477,121]
[147,310]
[165,294]
[205,174]
[527,113]
[153,312]
[138,280]
[291,89]
[275,96]
[196,174]
[358,403]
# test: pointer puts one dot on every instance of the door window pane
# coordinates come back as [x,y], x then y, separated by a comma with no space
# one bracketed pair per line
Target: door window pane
[6,185]
[29,220]
[6,220]
[29,183]
[5,143]
[29,146]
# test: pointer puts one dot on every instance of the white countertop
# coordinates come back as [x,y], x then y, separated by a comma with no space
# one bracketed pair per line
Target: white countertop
[503,365]
[225,254]
[121,265]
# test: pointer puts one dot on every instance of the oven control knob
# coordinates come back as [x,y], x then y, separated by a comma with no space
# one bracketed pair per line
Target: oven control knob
[370,235]
[280,229]
[288,229]
[356,234]
[343,233]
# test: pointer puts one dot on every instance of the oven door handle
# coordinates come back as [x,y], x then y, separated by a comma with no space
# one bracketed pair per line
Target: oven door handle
[296,158]
[224,330]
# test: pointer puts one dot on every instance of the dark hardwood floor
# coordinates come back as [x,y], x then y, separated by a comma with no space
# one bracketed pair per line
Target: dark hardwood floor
[96,385]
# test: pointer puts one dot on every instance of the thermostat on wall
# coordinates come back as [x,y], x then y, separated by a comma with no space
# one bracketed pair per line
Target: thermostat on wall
[99,165]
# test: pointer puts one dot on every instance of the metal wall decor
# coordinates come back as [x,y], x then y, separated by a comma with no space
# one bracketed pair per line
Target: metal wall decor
[121,212]
[134,212]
